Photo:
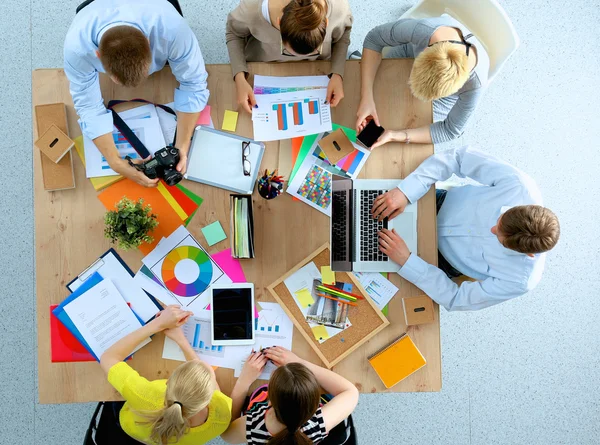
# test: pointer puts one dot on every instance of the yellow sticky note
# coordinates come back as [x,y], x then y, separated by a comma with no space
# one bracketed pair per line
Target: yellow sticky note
[327,275]
[320,332]
[230,120]
[304,298]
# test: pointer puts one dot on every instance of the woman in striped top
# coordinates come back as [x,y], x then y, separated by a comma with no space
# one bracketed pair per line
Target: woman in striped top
[289,410]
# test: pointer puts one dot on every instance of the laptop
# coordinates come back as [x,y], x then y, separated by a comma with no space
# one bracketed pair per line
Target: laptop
[354,232]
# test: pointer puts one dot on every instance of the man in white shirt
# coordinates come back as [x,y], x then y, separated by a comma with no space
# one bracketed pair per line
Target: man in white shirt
[129,40]
[495,232]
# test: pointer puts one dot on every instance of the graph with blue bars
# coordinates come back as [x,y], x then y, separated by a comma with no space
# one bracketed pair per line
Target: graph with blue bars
[263,325]
[197,331]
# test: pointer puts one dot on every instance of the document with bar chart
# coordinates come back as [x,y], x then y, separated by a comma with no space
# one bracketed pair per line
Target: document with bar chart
[288,115]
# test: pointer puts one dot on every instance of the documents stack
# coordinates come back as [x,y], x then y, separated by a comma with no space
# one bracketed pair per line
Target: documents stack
[242,227]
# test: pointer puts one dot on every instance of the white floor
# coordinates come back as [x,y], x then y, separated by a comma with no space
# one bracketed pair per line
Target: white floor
[525,372]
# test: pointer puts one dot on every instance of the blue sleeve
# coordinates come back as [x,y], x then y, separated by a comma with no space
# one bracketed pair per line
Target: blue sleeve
[94,119]
[187,65]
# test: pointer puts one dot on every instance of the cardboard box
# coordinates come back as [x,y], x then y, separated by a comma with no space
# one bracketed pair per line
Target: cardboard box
[54,143]
[418,310]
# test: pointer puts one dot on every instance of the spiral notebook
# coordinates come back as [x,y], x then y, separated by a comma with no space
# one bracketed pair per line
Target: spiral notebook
[216,159]
[397,361]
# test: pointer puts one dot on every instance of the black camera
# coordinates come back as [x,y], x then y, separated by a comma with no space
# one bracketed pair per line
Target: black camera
[162,165]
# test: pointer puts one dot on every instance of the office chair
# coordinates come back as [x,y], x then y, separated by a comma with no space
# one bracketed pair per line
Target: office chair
[175,4]
[343,434]
[484,18]
[104,427]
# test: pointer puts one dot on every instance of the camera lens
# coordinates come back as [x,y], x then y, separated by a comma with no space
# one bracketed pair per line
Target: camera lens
[172,177]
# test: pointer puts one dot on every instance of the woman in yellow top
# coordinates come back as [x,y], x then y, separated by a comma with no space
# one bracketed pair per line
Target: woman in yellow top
[288,30]
[186,409]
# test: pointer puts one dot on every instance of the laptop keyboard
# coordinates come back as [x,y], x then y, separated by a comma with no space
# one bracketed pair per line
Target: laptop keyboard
[339,227]
[369,228]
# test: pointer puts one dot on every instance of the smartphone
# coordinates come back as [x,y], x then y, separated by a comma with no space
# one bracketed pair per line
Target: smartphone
[370,134]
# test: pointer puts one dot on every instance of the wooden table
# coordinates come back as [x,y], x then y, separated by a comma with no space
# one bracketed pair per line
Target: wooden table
[69,226]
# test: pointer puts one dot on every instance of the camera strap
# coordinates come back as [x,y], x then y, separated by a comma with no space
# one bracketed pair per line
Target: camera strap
[127,133]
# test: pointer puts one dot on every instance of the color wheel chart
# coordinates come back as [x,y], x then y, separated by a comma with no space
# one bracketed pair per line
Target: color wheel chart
[197,332]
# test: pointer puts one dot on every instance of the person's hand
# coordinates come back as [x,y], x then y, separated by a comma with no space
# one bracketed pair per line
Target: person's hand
[281,356]
[335,90]
[391,244]
[366,112]
[176,334]
[172,317]
[254,365]
[135,175]
[245,94]
[183,157]
[389,205]
[386,136]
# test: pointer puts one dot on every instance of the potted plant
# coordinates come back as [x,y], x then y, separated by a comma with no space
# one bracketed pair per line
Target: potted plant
[130,224]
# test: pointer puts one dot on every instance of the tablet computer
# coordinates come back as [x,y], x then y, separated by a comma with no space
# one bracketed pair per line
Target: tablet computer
[232,314]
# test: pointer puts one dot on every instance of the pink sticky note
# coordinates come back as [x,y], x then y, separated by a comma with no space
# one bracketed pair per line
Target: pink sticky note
[231,266]
[204,118]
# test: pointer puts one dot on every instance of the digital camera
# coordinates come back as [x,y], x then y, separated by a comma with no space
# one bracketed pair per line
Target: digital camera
[162,165]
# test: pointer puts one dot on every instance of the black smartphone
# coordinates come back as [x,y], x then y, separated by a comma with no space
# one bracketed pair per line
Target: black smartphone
[370,134]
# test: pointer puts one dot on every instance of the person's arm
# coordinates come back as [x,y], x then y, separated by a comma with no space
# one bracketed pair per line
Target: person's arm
[187,65]
[456,122]
[339,45]
[172,316]
[469,296]
[236,433]
[345,394]
[368,70]
[395,33]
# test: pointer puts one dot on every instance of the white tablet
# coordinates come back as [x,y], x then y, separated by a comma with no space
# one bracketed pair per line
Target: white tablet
[232,314]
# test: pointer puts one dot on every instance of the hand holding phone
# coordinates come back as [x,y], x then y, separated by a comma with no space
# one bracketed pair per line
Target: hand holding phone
[370,134]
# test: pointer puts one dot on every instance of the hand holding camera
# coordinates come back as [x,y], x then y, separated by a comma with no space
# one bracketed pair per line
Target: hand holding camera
[162,166]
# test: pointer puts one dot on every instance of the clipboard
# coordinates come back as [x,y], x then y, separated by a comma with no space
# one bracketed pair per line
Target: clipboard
[144,308]
[215,159]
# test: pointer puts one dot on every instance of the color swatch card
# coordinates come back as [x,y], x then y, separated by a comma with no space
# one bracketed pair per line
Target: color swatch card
[185,269]
[214,233]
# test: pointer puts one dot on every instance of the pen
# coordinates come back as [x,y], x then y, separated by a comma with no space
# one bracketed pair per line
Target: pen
[336,293]
[349,303]
[360,297]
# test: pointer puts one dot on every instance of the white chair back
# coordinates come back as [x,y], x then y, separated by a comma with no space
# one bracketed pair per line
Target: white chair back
[484,18]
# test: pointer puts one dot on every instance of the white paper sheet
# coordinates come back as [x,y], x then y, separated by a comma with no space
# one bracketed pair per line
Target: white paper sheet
[168,123]
[192,266]
[102,317]
[110,268]
[273,84]
[147,111]
[146,129]
[380,289]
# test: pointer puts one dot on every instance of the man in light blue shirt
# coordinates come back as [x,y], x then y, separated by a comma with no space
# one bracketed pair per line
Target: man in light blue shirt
[495,232]
[129,40]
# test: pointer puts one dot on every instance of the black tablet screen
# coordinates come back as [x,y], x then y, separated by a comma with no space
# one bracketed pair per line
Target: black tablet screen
[232,314]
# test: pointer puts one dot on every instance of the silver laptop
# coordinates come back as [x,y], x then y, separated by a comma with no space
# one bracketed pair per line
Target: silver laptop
[354,232]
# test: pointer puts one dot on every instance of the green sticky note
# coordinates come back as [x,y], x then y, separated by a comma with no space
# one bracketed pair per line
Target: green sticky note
[213,233]
[385,310]
[304,298]
[320,332]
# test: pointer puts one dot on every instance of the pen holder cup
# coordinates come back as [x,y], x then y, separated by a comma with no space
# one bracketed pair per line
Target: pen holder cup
[268,189]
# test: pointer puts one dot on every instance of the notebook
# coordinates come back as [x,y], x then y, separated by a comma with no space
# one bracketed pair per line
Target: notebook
[397,361]
[215,159]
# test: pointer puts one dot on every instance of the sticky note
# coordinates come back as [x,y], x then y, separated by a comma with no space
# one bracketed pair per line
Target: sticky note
[304,298]
[320,332]
[327,275]
[204,118]
[213,233]
[230,120]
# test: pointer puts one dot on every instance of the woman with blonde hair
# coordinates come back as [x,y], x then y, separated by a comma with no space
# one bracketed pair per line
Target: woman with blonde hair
[451,69]
[283,31]
[187,408]
[290,410]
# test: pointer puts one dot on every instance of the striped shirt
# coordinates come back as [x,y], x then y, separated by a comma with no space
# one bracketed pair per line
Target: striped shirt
[256,428]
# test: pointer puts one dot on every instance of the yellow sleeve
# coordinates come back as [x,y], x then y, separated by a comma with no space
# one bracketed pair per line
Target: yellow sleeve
[139,393]
[222,405]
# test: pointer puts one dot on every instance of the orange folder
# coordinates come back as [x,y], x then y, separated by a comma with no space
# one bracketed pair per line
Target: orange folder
[397,361]
[168,219]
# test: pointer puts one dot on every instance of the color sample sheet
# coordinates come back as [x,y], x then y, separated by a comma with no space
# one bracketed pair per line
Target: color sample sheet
[185,269]
[300,286]
[380,289]
[290,106]
[311,183]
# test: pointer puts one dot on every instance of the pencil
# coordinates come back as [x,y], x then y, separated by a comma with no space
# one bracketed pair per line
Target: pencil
[349,303]
[336,293]
[360,297]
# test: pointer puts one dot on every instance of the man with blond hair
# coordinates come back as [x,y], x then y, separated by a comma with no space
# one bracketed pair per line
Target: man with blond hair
[129,40]
[450,68]
[495,232]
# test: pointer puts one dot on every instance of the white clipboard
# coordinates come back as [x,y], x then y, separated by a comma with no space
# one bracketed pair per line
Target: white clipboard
[216,159]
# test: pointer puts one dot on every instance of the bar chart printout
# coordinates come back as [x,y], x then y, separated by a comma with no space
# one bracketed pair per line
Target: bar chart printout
[197,333]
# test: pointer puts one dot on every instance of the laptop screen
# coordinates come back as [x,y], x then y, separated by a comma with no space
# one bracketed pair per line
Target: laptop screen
[342,235]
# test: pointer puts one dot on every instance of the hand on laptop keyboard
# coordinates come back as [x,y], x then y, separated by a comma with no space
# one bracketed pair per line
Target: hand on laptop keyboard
[392,245]
[389,205]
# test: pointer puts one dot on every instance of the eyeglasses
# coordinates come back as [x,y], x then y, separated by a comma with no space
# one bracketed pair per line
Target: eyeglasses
[286,53]
[457,42]
[246,165]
